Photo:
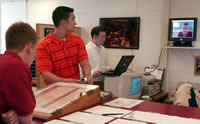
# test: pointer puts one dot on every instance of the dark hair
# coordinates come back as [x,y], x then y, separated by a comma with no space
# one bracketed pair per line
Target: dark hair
[185,23]
[18,35]
[96,30]
[61,12]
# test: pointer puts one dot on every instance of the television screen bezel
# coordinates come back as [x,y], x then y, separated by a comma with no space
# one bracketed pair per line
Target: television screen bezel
[170,29]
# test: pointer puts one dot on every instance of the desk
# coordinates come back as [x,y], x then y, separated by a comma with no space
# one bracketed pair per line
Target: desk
[168,109]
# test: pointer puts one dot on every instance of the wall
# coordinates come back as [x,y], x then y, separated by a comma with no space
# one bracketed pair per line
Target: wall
[11,12]
[88,12]
[153,29]
[181,61]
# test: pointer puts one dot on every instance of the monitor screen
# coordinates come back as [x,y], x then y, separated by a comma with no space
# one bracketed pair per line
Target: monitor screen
[135,85]
[182,29]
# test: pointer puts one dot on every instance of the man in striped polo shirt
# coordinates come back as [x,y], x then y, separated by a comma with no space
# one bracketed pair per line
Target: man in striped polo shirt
[60,53]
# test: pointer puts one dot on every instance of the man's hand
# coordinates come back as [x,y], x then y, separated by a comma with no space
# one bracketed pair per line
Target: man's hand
[10,117]
[90,80]
[96,73]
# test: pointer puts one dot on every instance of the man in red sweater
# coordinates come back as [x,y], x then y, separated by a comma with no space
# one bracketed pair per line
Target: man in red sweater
[17,100]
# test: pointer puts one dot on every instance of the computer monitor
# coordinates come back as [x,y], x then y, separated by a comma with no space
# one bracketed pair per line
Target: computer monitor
[182,31]
[128,85]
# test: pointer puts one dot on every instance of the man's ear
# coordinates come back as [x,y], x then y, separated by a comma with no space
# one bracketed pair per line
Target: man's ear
[29,48]
[94,36]
[63,21]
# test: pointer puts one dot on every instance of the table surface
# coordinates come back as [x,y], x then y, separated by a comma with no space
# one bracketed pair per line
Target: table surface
[168,109]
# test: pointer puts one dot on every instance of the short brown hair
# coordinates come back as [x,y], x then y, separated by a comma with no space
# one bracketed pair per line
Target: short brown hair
[61,12]
[18,35]
[96,30]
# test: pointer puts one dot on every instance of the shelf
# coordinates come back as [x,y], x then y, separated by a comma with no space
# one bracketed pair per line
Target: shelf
[170,47]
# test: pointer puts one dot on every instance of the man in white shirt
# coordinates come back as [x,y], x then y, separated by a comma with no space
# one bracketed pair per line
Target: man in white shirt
[97,55]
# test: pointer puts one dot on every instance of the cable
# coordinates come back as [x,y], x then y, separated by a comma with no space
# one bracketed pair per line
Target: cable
[161,53]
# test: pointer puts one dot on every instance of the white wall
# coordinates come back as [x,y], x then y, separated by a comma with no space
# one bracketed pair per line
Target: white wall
[10,13]
[181,61]
[88,13]
[180,64]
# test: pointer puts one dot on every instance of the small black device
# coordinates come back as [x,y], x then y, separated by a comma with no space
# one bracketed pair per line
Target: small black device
[121,66]
[105,95]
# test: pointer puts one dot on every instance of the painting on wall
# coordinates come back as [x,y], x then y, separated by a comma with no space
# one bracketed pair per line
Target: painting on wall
[43,29]
[197,65]
[47,31]
[122,32]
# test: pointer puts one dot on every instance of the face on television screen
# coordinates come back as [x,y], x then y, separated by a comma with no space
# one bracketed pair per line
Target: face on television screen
[182,28]
[135,85]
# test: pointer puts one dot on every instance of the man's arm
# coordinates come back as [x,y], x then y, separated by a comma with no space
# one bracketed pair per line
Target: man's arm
[52,78]
[86,70]
[10,117]
[25,119]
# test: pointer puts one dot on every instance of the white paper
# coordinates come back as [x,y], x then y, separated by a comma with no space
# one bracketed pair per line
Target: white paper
[148,117]
[158,73]
[120,121]
[124,102]
[160,118]
[58,122]
[87,118]
[34,89]
[105,110]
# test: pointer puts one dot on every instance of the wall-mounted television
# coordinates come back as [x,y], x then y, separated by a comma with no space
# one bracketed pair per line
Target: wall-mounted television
[182,31]
[122,32]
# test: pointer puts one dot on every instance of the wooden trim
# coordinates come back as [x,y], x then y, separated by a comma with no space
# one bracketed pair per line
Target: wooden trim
[40,33]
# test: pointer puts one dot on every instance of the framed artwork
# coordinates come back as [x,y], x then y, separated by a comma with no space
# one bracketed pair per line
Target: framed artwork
[47,31]
[197,65]
[43,29]
[122,32]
